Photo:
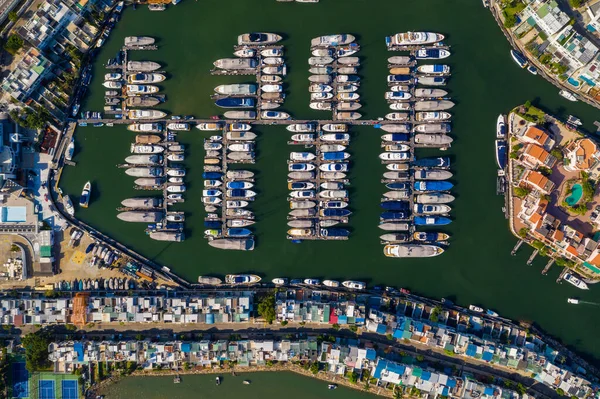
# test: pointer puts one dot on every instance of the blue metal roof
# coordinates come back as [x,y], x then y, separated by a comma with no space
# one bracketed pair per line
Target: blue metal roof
[371,354]
[471,350]
[426,375]
[488,356]
[381,328]
[210,318]
[78,347]
[186,348]
[488,391]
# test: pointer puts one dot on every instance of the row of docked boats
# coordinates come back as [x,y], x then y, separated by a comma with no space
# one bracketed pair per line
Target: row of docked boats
[268,63]
[334,79]
[132,89]
[314,282]
[317,182]
[156,163]
[228,193]
[418,189]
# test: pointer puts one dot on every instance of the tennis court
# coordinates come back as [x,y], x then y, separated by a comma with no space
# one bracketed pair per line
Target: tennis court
[70,390]
[20,378]
[46,389]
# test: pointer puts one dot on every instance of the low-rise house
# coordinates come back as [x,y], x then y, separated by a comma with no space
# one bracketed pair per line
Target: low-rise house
[27,76]
[537,181]
[582,155]
[535,135]
[535,156]
[545,16]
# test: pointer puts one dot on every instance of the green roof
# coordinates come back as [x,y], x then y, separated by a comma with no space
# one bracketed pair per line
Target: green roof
[543,11]
[45,251]
[531,21]
[417,371]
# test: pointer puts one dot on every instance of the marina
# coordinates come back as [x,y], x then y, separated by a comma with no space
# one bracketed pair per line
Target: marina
[475,238]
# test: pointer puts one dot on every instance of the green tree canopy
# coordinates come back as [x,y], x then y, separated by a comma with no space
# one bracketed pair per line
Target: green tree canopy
[266,307]
[13,44]
[36,350]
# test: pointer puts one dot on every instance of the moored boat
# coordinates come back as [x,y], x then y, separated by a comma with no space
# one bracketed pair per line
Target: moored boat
[413,39]
[236,279]
[84,200]
[411,250]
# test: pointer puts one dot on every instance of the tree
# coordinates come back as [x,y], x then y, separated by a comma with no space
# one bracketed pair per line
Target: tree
[522,192]
[36,350]
[266,307]
[13,16]
[575,3]
[335,326]
[13,44]
[509,20]
[521,389]
[560,391]
[353,377]
[314,368]
[523,231]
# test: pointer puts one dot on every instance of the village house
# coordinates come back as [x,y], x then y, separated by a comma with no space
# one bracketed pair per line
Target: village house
[535,156]
[534,135]
[537,181]
[581,155]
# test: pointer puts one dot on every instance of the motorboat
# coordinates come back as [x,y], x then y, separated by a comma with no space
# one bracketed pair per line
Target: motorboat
[397,166]
[354,285]
[398,96]
[209,126]
[145,78]
[519,58]
[400,106]
[302,127]
[303,138]
[300,185]
[236,204]
[112,76]
[394,226]
[178,126]
[433,128]
[413,39]
[430,236]
[280,281]
[68,205]
[348,88]
[434,69]
[568,95]
[434,198]
[145,114]
[334,167]
[312,281]
[439,162]
[236,63]
[320,61]
[575,281]
[400,60]
[411,250]
[431,221]
[435,105]
[84,200]
[258,38]
[237,279]
[431,80]
[432,53]
[432,209]
[276,115]
[321,96]
[322,79]
[333,194]
[142,66]
[394,237]
[111,84]
[270,79]
[425,185]
[501,154]
[430,93]
[323,52]
[394,156]
[397,148]
[141,89]
[239,174]
[272,52]
[501,127]
[240,114]
[326,70]
[301,223]
[138,41]
[236,89]
[239,244]
[432,174]
[301,167]
[319,105]
[432,116]
[320,88]
[241,193]
[332,147]
[302,156]
[235,102]
[332,40]
[476,309]
[245,53]
[331,283]
[272,88]
[302,204]
[397,116]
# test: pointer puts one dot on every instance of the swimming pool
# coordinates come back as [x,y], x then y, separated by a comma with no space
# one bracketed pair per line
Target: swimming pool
[576,193]
[573,82]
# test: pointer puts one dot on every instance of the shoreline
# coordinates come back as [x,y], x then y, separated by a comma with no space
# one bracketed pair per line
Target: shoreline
[287,367]
[495,10]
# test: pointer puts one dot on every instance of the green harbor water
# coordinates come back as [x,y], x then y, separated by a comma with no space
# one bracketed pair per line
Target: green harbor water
[263,385]
[477,268]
